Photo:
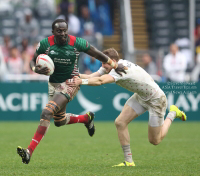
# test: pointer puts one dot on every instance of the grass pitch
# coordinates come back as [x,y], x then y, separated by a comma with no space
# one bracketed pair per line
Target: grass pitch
[69,150]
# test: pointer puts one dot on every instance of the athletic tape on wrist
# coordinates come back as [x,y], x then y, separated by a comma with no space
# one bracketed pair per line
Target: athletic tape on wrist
[84,81]
[112,63]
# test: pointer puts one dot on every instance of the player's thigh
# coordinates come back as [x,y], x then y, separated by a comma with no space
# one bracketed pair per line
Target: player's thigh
[136,104]
[131,110]
[68,91]
[127,115]
[157,110]
[61,100]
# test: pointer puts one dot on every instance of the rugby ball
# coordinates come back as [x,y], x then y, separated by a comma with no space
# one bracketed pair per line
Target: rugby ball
[45,61]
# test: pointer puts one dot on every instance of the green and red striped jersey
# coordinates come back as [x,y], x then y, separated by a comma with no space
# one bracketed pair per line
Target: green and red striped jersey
[65,57]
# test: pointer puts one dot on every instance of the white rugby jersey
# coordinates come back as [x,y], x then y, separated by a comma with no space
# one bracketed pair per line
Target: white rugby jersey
[135,80]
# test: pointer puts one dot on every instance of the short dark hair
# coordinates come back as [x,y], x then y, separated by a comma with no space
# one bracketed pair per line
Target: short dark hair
[58,21]
[112,53]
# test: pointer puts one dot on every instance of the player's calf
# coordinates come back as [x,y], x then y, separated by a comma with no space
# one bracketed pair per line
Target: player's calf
[154,135]
[155,141]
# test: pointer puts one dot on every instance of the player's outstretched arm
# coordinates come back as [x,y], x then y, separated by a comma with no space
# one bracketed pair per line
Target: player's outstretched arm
[95,81]
[84,76]
[38,68]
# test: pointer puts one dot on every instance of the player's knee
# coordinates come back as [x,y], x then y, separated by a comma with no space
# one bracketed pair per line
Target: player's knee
[60,119]
[61,123]
[119,123]
[46,115]
[155,141]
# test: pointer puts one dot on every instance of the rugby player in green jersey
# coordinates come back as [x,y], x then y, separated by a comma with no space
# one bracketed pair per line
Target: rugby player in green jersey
[64,50]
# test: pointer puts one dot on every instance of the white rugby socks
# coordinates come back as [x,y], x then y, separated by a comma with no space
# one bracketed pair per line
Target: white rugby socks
[127,153]
[171,115]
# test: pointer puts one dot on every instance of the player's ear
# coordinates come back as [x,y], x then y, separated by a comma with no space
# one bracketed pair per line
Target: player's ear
[52,32]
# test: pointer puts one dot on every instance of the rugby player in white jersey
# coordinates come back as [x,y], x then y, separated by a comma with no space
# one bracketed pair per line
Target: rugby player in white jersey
[147,97]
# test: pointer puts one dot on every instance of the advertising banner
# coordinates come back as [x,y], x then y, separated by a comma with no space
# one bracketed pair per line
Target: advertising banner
[25,101]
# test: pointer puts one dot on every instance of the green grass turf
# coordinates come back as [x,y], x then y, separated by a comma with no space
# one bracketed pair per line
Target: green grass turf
[70,151]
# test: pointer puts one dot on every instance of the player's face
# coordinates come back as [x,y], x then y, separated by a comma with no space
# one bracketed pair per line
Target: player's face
[107,67]
[60,32]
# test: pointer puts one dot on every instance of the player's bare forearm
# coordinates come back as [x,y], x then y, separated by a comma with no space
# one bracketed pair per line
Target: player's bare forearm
[84,76]
[97,54]
[97,81]
[94,81]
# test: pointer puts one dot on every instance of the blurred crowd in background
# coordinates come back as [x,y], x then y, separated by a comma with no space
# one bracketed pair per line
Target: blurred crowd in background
[23,23]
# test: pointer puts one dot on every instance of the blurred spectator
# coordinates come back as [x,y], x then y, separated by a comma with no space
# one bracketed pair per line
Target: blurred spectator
[73,21]
[149,65]
[88,30]
[59,14]
[195,75]
[3,68]
[87,25]
[28,27]
[175,64]
[26,60]
[6,47]
[45,8]
[197,32]
[91,64]
[184,46]
[14,62]
[29,49]
[101,16]
[64,7]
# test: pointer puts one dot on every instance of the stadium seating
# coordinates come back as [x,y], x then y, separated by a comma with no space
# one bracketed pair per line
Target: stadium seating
[167,21]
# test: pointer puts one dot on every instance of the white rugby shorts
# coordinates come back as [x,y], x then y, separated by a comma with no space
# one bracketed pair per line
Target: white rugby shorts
[156,106]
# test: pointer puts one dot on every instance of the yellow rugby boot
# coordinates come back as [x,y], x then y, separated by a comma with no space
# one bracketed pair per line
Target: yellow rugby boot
[179,114]
[125,163]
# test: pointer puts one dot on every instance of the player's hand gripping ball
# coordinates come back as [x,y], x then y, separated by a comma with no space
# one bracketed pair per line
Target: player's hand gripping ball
[45,61]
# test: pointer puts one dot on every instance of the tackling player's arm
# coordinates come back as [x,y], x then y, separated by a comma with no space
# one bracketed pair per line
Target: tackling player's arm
[94,81]
[97,81]
[99,73]
[84,76]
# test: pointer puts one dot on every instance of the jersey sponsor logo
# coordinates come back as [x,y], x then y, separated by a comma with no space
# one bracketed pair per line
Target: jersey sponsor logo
[53,52]
[63,61]
[69,53]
